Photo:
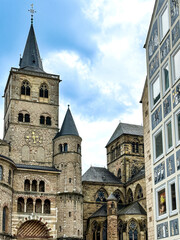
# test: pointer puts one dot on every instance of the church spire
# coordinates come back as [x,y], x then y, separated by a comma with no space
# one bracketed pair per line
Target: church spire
[68,126]
[31,59]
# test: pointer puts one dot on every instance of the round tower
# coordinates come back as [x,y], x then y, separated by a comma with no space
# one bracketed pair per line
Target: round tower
[67,158]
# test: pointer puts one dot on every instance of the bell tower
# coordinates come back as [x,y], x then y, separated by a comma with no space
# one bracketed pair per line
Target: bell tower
[31,107]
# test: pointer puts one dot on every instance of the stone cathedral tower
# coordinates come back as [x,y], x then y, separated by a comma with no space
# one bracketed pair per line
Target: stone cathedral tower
[40,166]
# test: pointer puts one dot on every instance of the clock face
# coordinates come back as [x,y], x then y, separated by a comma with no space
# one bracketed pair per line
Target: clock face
[33,137]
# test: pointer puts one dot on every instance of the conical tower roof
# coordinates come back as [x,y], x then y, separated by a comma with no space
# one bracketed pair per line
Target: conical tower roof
[31,59]
[68,126]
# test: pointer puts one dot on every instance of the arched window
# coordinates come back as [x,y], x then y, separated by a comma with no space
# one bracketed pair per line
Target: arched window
[25,88]
[38,206]
[96,231]
[135,147]
[20,117]
[43,91]
[101,196]
[139,192]
[9,177]
[133,231]
[29,205]
[26,185]
[5,220]
[120,230]
[65,147]
[20,205]
[117,150]
[118,195]
[34,185]
[119,174]
[42,120]
[129,196]
[112,153]
[78,148]
[27,117]
[47,206]
[1,173]
[60,148]
[41,186]
[48,121]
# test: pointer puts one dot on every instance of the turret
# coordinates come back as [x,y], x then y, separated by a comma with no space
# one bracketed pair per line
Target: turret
[67,158]
[112,217]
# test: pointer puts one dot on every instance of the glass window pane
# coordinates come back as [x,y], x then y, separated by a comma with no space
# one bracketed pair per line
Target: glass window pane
[176,65]
[173,196]
[164,23]
[178,125]
[166,77]
[156,91]
[158,144]
[162,202]
[169,135]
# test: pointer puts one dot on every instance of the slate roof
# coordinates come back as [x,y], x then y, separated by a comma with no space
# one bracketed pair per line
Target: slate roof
[35,167]
[125,128]
[68,126]
[31,59]
[101,212]
[132,209]
[7,158]
[101,175]
[112,197]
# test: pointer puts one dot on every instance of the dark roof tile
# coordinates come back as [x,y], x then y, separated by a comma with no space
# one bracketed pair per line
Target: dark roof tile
[68,126]
[31,59]
[125,128]
[101,175]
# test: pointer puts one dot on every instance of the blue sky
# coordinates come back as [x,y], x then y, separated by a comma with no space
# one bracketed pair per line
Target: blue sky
[97,48]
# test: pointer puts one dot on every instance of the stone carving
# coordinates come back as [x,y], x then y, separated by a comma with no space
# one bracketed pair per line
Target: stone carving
[153,42]
[159,173]
[174,5]
[153,66]
[176,95]
[170,165]
[174,227]
[162,230]
[175,33]
[178,159]
[156,117]
[165,49]
[167,105]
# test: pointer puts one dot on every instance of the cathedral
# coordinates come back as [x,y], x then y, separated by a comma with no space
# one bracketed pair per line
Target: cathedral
[43,194]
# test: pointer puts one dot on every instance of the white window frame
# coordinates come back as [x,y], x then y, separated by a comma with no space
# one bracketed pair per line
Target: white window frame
[172,212]
[160,217]
[154,146]
[160,21]
[174,79]
[166,135]
[176,127]
[163,77]
[151,89]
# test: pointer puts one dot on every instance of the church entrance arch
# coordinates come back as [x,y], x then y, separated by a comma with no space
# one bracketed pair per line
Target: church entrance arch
[33,230]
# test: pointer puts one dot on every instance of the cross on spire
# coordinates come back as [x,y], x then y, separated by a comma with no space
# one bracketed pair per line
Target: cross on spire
[32,11]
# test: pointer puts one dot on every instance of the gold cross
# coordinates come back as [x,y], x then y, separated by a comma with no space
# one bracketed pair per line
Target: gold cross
[32,11]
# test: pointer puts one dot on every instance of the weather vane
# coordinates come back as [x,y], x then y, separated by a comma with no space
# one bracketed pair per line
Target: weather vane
[32,11]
